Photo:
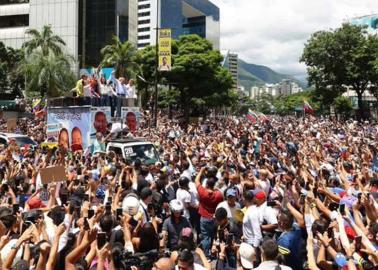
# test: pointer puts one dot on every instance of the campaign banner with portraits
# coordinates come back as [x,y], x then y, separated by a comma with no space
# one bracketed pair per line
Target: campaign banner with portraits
[100,118]
[131,117]
[68,127]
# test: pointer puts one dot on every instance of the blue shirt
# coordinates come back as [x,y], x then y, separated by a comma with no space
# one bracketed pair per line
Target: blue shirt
[291,246]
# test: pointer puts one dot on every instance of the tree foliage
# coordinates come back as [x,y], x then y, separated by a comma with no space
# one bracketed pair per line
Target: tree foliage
[45,40]
[343,106]
[197,77]
[340,59]
[47,69]
[47,76]
[10,81]
[121,56]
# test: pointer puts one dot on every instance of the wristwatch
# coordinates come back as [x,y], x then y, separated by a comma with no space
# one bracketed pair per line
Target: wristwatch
[15,246]
[349,258]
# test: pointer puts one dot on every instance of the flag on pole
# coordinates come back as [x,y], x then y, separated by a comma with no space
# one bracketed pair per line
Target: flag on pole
[307,107]
[252,116]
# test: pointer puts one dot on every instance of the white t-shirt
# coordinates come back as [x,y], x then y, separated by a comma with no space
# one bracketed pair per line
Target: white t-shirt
[194,193]
[251,226]
[185,197]
[267,213]
[231,211]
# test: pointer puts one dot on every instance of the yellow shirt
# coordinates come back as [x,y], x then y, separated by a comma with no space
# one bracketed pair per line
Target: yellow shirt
[80,88]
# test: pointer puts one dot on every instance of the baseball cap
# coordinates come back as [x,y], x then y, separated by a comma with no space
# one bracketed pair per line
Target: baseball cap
[130,204]
[176,206]
[36,202]
[259,194]
[231,192]
[247,255]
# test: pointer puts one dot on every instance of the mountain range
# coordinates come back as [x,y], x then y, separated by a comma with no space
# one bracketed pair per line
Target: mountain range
[258,75]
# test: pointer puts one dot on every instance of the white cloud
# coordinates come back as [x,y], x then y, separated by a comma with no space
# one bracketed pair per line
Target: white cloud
[273,32]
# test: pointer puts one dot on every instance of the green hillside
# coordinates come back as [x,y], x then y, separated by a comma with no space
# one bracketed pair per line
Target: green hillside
[257,75]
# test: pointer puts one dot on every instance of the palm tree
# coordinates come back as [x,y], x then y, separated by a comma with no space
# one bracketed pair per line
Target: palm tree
[45,39]
[48,76]
[121,56]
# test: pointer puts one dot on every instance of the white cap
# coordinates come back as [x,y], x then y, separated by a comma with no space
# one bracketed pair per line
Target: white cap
[247,255]
[176,206]
[130,204]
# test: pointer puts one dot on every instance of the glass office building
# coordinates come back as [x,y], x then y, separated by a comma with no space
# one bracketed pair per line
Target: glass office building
[87,26]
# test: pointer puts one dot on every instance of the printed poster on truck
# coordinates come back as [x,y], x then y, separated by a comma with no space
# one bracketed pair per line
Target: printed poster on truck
[131,117]
[100,118]
[68,127]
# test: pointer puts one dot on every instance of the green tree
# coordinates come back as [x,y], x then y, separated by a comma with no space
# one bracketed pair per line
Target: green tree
[122,56]
[341,59]
[47,76]
[45,40]
[197,72]
[10,81]
[343,106]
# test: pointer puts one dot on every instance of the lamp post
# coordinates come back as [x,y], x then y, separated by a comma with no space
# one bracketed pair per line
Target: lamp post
[157,64]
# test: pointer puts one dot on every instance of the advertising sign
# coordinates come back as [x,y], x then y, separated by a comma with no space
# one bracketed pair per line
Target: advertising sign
[69,127]
[165,60]
[131,117]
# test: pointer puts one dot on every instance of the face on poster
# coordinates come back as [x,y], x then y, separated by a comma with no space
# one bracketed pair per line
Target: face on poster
[69,127]
[100,117]
[131,117]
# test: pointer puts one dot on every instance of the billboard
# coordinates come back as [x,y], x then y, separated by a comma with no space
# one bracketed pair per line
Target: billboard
[69,127]
[165,59]
[131,117]
[100,117]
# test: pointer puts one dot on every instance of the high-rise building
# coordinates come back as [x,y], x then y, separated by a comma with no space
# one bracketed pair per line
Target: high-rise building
[230,61]
[370,21]
[199,17]
[87,26]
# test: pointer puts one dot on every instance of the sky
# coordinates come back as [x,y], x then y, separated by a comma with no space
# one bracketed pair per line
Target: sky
[273,32]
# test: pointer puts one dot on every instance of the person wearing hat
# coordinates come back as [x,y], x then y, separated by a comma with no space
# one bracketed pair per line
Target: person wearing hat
[251,221]
[268,218]
[173,225]
[230,204]
[247,256]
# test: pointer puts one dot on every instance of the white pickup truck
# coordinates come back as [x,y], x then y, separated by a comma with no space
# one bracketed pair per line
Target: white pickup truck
[134,148]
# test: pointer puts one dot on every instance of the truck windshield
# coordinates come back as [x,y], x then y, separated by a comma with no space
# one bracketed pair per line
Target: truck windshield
[21,141]
[145,152]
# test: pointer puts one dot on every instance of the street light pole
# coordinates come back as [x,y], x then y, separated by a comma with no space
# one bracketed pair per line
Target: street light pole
[157,64]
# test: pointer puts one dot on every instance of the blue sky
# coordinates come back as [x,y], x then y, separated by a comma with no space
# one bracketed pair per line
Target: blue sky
[273,32]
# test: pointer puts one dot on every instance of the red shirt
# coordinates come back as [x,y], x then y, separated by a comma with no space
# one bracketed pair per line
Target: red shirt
[209,201]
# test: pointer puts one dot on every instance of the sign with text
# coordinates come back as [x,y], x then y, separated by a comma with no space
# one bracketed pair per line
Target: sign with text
[53,174]
[165,59]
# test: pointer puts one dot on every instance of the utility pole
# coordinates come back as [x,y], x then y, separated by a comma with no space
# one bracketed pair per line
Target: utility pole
[157,64]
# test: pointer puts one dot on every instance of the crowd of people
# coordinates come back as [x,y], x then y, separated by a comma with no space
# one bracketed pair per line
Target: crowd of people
[284,193]
[96,90]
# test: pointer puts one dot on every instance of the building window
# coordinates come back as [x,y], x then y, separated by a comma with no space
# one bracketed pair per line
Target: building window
[144,14]
[142,45]
[144,37]
[7,2]
[144,29]
[144,6]
[144,22]
[14,21]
